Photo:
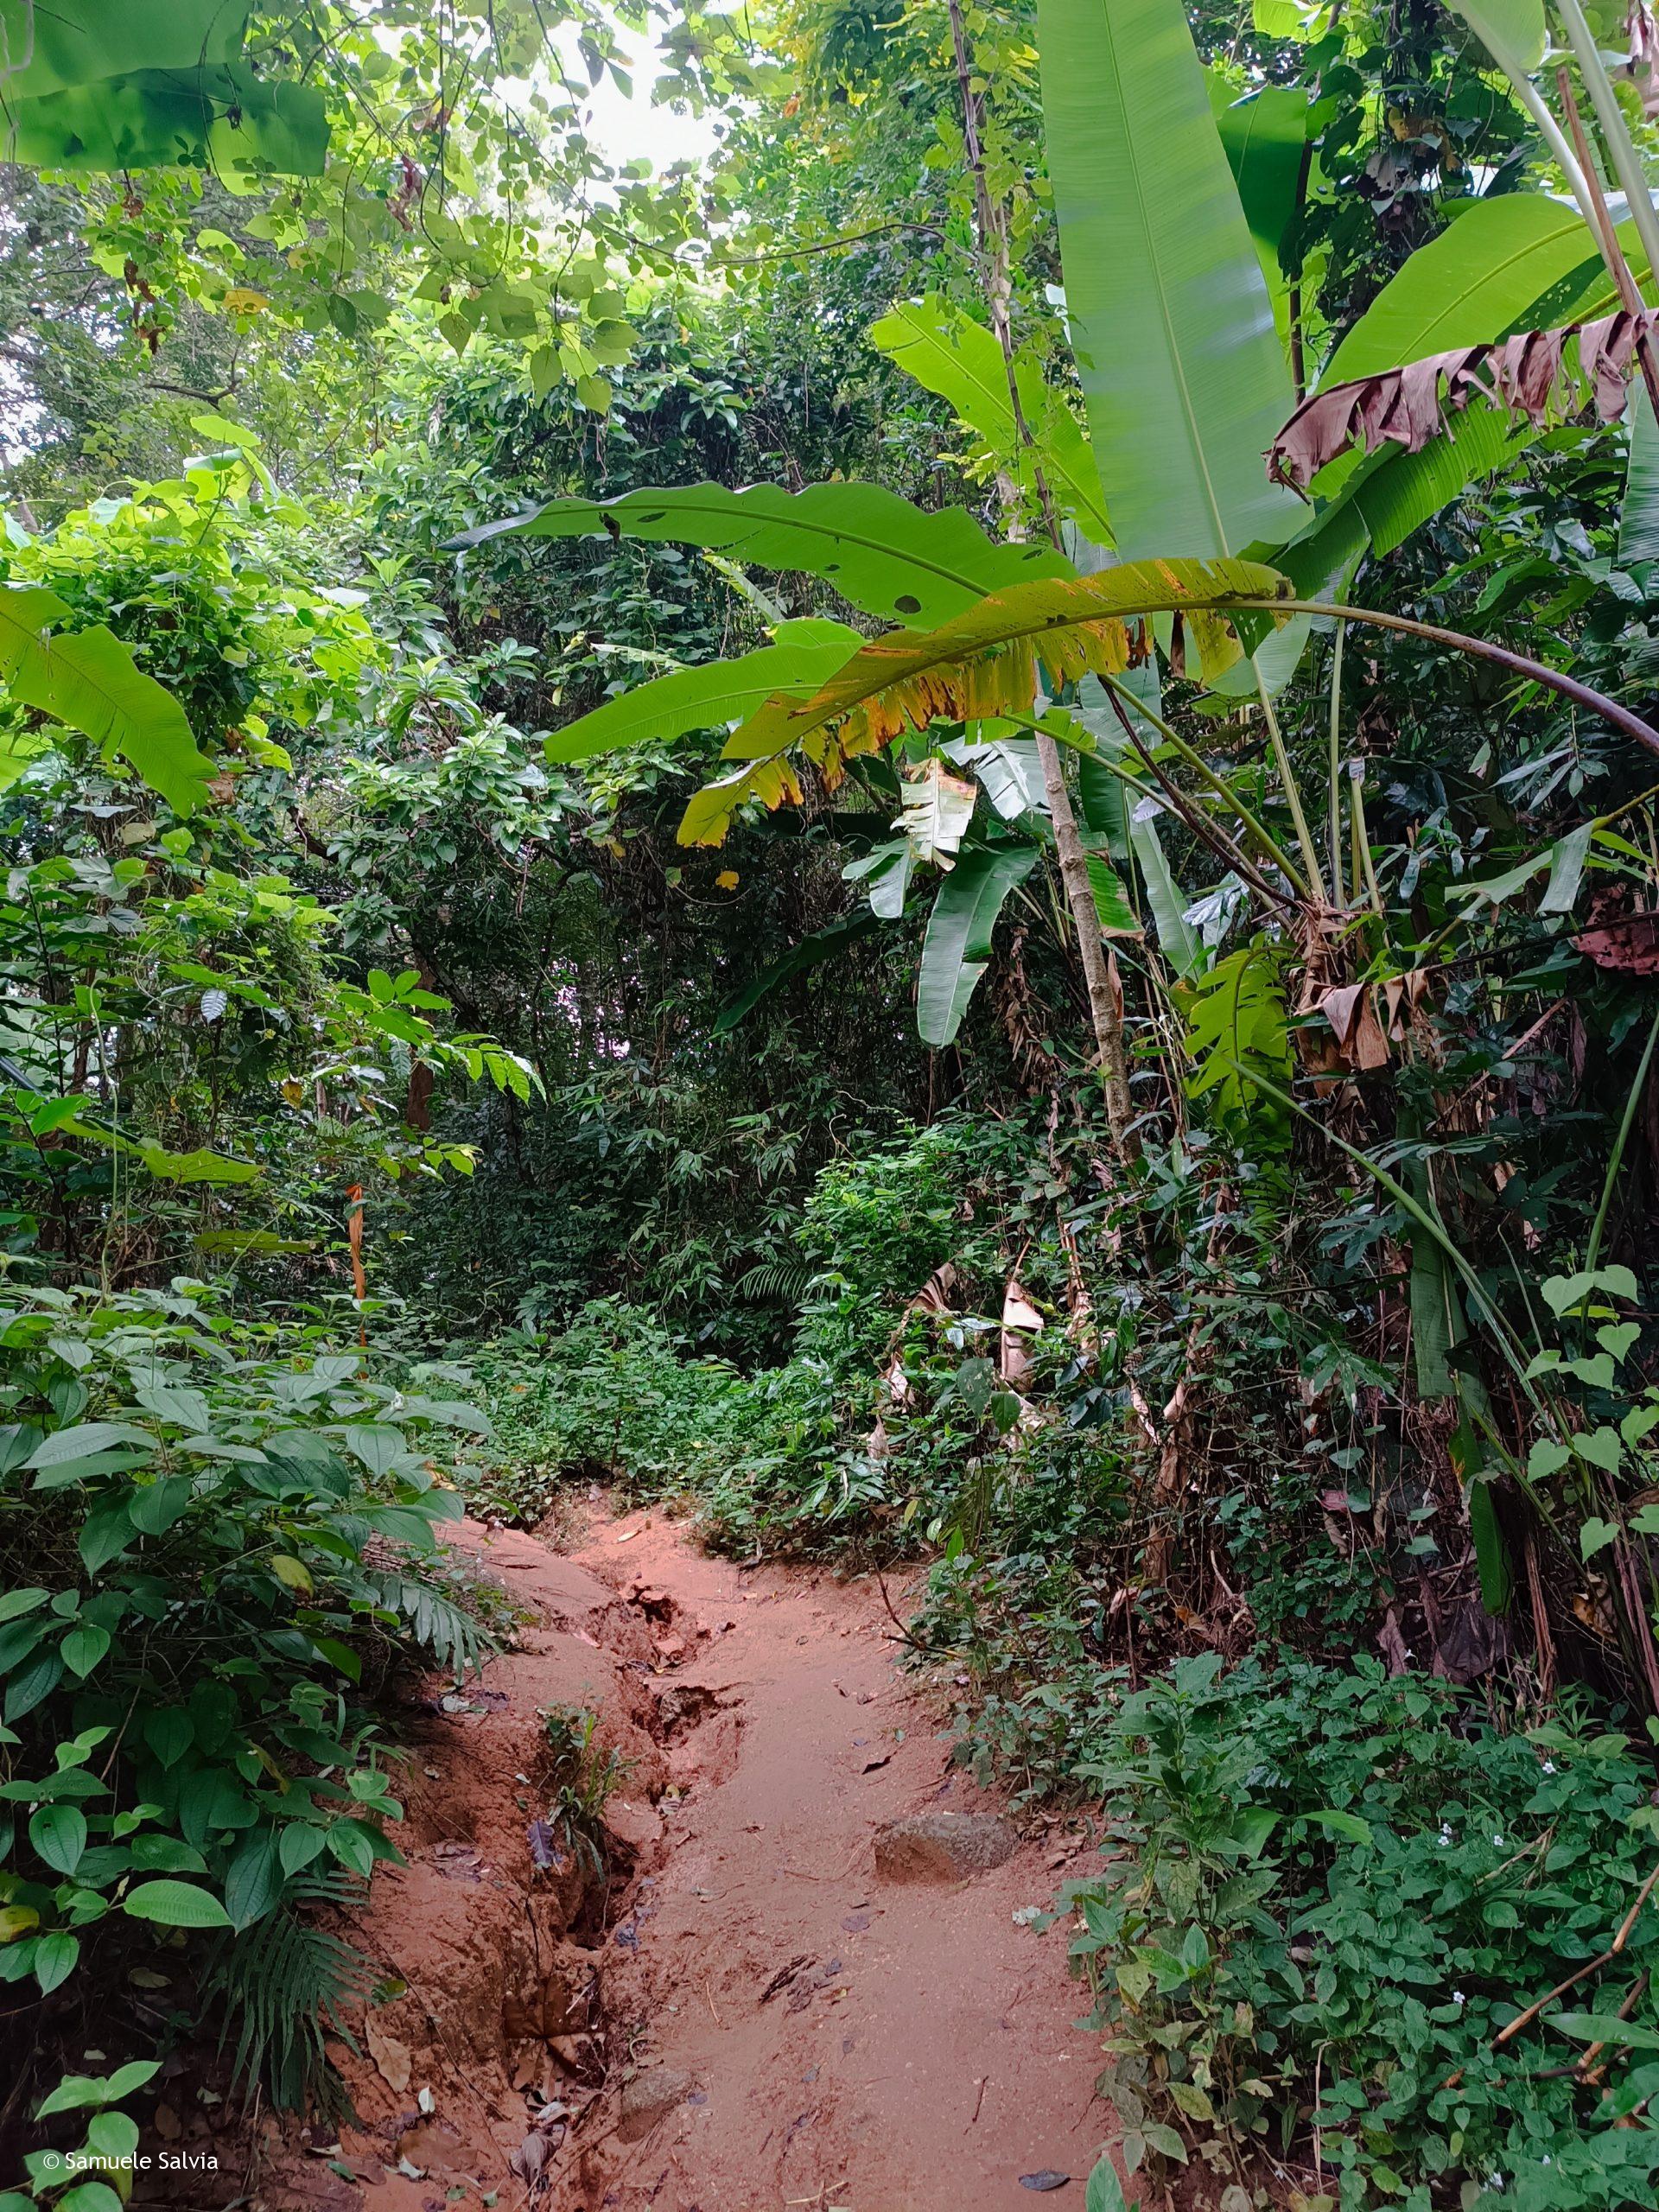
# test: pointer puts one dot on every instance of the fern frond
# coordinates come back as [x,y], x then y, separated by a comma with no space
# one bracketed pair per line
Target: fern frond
[283,1984]
[776,1283]
[444,1631]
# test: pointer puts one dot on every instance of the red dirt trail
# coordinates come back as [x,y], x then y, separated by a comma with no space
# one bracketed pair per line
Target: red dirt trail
[917,2050]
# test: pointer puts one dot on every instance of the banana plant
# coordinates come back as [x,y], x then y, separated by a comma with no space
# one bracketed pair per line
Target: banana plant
[1169,216]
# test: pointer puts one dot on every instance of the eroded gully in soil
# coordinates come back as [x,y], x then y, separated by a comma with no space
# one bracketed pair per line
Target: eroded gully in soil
[753,2014]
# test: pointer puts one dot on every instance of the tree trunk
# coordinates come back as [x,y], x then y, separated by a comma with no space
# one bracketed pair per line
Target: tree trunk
[1105,1002]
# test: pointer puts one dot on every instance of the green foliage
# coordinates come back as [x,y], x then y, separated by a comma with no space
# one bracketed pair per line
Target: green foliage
[957,946]
[584,1775]
[607,1397]
[221,1536]
[949,353]
[1335,1890]
[883,555]
[1236,1026]
[1180,366]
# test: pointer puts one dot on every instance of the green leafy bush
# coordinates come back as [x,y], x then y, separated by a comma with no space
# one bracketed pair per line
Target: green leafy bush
[1334,1891]
[609,1398]
[218,1538]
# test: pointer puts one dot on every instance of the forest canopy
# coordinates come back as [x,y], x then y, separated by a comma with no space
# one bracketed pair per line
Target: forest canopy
[928,823]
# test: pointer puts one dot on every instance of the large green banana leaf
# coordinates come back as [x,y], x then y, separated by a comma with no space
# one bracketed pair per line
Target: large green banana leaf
[1264,136]
[957,947]
[1170,316]
[1488,272]
[88,679]
[880,553]
[802,655]
[1638,519]
[947,352]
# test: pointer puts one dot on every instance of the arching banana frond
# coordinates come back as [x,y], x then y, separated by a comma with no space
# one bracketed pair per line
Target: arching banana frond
[983,663]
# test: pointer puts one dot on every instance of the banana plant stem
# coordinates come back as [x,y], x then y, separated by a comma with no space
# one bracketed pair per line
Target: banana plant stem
[1293,796]
[1617,139]
[1195,761]
[1333,797]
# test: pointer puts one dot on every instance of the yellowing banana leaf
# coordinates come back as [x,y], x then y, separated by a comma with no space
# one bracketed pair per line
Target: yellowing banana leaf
[708,812]
[985,663]
[879,552]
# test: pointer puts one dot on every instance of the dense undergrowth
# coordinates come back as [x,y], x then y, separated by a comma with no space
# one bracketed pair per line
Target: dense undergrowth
[1329,1886]
[1171,1159]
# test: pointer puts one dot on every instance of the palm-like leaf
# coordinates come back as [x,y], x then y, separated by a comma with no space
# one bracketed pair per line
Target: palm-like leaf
[1171,319]
[879,552]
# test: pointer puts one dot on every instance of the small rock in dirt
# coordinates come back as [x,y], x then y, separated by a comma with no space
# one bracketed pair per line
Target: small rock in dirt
[647,2097]
[856,1922]
[633,1822]
[943,1846]
[1047,2179]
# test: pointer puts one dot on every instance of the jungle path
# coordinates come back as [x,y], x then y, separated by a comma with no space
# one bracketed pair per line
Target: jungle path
[781,2025]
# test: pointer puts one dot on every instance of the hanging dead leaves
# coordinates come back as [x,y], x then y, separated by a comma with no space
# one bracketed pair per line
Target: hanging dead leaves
[1630,945]
[1539,374]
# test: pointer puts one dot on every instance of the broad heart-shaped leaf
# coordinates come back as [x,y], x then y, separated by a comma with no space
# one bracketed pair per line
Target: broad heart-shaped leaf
[88,679]
[880,553]
[1071,624]
[811,952]
[957,945]
[1171,320]
[947,352]
[802,655]
[59,1834]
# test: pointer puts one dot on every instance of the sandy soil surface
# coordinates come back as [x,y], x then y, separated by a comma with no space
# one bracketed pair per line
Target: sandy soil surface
[750,2016]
